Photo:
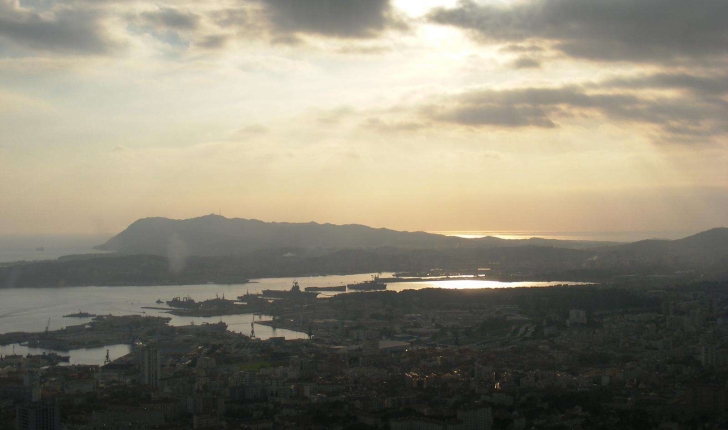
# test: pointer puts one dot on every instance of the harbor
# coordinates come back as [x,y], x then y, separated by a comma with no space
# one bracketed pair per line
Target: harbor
[30,312]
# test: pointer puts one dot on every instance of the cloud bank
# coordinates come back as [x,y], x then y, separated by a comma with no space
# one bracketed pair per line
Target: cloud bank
[63,30]
[605,30]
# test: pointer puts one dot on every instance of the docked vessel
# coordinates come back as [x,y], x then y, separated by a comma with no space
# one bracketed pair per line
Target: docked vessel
[32,361]
[185,302]
[336,288]
[55,357]
[373,285]
[294,293]
[80,315]
[217,302]
[250,298]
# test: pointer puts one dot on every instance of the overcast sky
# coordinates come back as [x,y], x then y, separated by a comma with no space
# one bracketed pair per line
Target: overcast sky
[548,115]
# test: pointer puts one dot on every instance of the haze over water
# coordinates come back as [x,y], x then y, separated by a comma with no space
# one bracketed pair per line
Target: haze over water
[599,236]
[47,247]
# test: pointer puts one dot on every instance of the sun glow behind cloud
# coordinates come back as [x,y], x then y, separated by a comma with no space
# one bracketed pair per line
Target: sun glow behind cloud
[414,118]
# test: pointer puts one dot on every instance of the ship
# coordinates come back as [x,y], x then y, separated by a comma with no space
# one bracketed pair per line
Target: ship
[217,302]
[372,285]
[250,298]
[80,315]
[294,293]
[55,357]
[45,359]
[185,302]
[336,288]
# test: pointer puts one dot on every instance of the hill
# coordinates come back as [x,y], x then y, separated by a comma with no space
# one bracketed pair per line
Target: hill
[702,256]
[214,235]
[710,244]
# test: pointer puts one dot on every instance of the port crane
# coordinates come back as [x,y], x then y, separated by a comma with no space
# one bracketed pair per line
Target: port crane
[48,325]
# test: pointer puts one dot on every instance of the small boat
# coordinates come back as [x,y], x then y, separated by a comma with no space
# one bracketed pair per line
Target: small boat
[159,302]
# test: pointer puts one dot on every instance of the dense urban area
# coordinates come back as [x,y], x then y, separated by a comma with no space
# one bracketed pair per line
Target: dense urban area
[568,357]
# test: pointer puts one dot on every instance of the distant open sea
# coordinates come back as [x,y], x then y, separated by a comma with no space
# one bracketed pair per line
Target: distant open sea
[47,247]
[600,236]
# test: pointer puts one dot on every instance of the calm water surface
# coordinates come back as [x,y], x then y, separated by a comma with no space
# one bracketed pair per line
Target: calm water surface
[31,309]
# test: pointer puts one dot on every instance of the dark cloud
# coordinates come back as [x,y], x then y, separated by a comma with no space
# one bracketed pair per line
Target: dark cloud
[503,116]
[172,19]
[287,39]
[683,119]
[237,17]
[184,29]
[332,18]
[611,30]
[364,50]
[59,31]
[217,41]
[526,63]
[701,85]
[79,26]
[516,48]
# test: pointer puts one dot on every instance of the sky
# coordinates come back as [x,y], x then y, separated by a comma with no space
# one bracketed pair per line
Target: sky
[435,115]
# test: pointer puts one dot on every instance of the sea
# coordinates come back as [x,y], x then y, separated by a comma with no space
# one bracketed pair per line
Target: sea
[588,236]
[47,247]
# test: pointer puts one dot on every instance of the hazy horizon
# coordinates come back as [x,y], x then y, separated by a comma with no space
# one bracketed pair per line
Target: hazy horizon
[18,247]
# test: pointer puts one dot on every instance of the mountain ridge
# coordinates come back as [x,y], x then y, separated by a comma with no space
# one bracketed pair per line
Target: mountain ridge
[700,256]
[217,235]
[712,242]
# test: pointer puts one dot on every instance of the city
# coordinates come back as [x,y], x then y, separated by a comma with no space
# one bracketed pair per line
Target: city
[364,214]
[559,357]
